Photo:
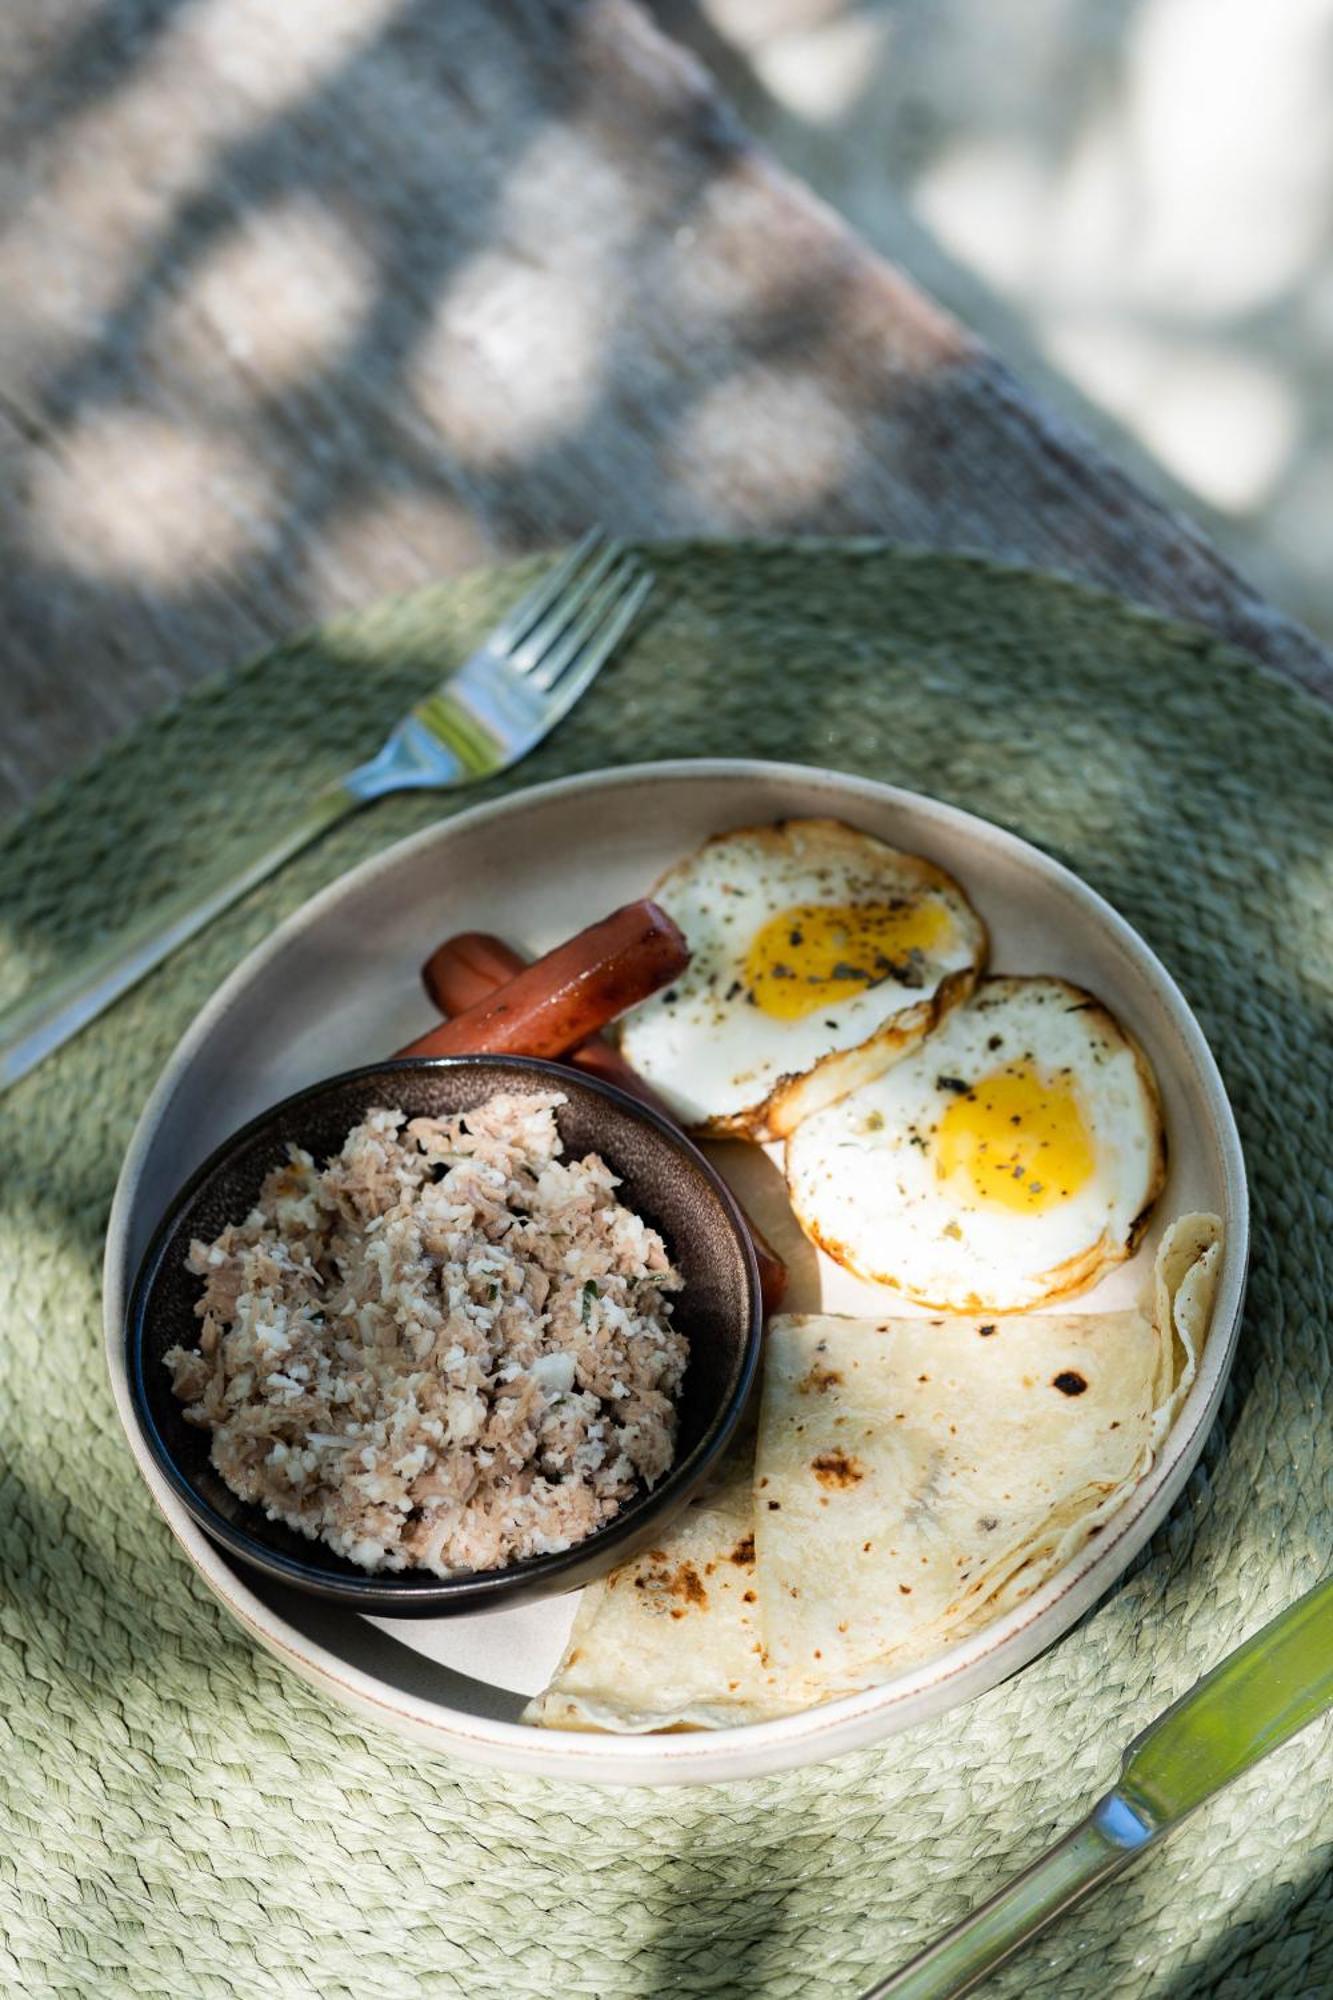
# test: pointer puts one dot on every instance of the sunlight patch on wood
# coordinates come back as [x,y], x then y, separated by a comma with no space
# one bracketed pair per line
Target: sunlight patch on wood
[760,447]
[512,362]
[134,498]
[281,297]
[408,539]
[117,172]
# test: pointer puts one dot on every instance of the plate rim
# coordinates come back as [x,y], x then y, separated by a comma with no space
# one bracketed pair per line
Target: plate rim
[852,1721]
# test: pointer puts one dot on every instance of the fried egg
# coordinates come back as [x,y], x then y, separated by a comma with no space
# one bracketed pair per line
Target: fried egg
[819,955]
[1008,1161]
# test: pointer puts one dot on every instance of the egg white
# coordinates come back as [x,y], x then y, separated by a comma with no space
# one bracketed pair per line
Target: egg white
[726,1065]
[866,1176]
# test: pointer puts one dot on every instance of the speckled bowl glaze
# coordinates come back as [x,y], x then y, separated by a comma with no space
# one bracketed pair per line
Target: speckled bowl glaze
[663,1177]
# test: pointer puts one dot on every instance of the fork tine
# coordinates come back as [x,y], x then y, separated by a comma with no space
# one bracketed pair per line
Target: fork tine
[570,641]
[543,595]
[537,643]
[570,666]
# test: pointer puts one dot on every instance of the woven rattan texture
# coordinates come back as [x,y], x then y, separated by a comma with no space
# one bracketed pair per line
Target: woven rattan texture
[178,1815]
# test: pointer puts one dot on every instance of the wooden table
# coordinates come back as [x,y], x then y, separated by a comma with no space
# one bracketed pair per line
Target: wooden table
[306,303]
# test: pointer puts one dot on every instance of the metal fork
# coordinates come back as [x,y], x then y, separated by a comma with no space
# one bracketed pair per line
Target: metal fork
[496,707]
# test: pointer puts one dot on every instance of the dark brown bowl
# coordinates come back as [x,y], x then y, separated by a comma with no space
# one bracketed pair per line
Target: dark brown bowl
[664,1177]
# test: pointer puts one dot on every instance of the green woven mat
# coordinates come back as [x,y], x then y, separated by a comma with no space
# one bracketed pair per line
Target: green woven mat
[178,1815]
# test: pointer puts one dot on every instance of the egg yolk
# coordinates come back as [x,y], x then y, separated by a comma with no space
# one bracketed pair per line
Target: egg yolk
[1017,1137]
[816,954]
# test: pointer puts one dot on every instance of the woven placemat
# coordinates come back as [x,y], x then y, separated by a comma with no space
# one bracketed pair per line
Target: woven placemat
[178,1815]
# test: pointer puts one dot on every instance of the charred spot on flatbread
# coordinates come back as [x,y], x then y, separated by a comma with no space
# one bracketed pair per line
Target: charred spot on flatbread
[819,1378]
[837,1469]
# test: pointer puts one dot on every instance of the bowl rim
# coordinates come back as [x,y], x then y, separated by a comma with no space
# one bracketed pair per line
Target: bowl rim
[406,1592]
[852,1721]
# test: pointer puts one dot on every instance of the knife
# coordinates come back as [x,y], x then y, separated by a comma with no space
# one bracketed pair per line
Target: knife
[1257,1697]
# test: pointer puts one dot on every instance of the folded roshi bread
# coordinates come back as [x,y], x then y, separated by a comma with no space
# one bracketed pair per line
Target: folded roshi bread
[912,1479]
[671,1640]
[915,1477]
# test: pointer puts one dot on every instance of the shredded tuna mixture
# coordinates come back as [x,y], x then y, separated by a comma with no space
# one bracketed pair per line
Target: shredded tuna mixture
[447,1349]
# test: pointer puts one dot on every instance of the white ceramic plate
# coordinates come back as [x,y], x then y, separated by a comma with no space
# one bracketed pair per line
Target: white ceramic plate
[338,984]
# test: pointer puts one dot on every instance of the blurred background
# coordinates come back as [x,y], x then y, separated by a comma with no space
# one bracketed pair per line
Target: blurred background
[311,302]
[1132,200]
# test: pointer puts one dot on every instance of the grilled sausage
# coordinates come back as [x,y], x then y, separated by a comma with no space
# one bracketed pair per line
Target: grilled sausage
[466,968]
[557,1002]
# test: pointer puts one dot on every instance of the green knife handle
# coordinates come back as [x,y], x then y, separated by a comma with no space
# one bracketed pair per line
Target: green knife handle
[1249,1704]
[1106,1841]
[1255,1699]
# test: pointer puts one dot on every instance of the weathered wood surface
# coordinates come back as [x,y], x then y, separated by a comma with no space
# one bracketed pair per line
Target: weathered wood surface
[307,302]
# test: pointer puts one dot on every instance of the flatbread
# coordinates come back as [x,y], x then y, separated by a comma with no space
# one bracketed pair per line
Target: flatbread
[671,1640]
[914,1476]
[950,1446]
[1185,1277]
